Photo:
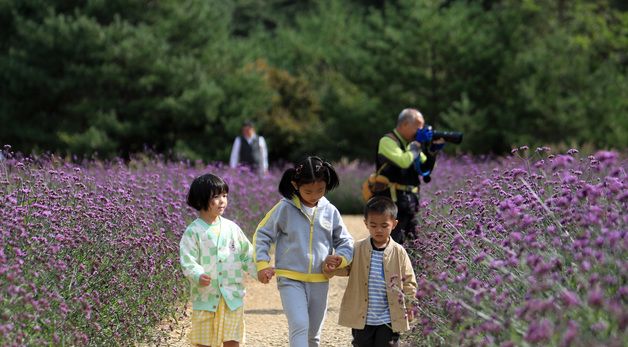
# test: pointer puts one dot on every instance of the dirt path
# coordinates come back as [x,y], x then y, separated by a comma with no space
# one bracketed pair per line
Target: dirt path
[266,325]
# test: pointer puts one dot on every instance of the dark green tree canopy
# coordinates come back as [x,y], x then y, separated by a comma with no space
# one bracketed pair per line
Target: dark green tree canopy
[117,77]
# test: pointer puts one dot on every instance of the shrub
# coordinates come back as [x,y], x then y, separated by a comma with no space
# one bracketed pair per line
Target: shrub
[90,252]
[348,196]
[527,251]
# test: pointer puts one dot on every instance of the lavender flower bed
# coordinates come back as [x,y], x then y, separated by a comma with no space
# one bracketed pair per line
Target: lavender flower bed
[532,250]
[90,252]
[515,251]
[348,196]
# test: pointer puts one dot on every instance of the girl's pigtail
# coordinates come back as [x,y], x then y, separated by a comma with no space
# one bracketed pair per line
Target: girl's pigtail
[286,189]
[333,181]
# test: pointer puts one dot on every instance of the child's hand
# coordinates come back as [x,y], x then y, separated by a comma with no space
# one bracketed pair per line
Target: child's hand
[328,271]
[265,275]
[410,314]
[331,263]
[204,280]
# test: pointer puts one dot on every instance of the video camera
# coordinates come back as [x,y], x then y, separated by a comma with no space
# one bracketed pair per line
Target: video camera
[427,134]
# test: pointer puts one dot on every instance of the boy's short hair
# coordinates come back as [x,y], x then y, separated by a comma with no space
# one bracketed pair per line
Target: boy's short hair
[382,205]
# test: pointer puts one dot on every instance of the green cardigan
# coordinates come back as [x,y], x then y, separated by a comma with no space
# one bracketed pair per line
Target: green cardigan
[223,252]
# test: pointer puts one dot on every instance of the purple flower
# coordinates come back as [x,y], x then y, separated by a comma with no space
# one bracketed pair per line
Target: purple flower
[539,331]
[516,236]
[570,334]
[570,299]
[599,326]
[478,258]
[623,292]
[595,296]
[496,264]
[606,156]
[572,151]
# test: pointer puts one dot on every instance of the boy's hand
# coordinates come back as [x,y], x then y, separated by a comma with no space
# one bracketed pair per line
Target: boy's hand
[331,263]
[265,275]
[204,280]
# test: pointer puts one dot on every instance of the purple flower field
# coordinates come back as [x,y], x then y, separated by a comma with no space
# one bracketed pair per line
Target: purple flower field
[526,250]
[529,250]
[90,252]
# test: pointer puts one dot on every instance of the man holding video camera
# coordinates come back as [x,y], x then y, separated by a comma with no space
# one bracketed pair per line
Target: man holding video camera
[404,156]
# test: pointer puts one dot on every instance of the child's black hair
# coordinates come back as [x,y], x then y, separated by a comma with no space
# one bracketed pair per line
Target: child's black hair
[382,205]
[203,189]
[308,170]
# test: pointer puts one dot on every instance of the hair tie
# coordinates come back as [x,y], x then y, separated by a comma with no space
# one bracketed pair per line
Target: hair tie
[299,169]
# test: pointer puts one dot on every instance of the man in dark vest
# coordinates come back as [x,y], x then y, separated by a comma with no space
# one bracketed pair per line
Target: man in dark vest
[250,149]
[397,154]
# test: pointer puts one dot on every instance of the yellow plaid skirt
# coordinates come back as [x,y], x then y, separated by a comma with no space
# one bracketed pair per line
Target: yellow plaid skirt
[214,328]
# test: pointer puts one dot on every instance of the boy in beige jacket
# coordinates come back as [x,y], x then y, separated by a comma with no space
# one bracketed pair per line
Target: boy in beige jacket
[372,305]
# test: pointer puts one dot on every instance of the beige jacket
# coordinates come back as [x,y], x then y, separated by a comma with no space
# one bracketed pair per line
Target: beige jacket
[397,266]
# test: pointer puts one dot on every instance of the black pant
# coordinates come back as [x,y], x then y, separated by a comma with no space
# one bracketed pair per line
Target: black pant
[408,208]
[375,336]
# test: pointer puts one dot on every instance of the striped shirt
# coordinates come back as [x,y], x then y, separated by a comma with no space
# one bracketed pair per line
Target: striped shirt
[377,311]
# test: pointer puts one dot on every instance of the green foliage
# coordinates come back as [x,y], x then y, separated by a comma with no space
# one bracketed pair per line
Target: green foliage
[118,77]
[566,91]
[112,86]
[292,115]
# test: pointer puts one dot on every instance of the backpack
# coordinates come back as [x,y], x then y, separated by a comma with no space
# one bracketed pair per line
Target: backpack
[374,184]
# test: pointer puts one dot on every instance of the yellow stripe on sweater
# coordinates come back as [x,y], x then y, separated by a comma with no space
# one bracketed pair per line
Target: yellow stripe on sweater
[262,264]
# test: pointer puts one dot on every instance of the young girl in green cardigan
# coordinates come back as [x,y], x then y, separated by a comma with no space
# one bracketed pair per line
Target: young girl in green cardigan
[215,254]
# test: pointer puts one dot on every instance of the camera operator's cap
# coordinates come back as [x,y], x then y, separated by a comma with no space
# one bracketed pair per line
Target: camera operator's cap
[248,123]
